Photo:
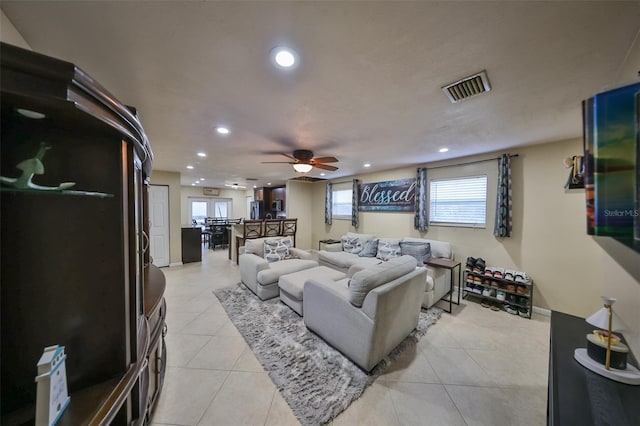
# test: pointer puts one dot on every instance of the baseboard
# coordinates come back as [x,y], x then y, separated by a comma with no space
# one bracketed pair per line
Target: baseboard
[541,311]
[173,265]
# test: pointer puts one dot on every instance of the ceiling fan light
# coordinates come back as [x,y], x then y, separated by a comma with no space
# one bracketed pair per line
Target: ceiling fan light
[302,167]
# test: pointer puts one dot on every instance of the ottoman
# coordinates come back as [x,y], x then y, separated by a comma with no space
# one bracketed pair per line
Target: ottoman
[292,285]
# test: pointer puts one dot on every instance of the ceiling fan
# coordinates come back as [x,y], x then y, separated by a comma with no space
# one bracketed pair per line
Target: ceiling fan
[303,161]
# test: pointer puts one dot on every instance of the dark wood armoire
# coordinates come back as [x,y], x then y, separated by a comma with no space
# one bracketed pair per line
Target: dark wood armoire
[75,270]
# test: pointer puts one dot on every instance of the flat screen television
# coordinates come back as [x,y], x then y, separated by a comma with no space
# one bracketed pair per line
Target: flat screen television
[612,163]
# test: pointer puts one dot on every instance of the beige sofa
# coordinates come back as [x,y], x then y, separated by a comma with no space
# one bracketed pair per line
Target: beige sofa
[438,280]
[367,315]
[260,275]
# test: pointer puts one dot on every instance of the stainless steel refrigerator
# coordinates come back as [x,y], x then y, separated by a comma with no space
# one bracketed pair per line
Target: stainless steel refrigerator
[257,210]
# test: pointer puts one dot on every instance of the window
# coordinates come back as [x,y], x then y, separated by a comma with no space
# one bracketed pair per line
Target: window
[199,210]
[202,208]
[220,209]
[341,203]
[459,201]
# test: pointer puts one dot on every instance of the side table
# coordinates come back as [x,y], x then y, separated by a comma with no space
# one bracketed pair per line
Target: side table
[327,241]
[439,262]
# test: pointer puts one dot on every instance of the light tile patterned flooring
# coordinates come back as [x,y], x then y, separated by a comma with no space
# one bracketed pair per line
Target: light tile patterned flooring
[473,367]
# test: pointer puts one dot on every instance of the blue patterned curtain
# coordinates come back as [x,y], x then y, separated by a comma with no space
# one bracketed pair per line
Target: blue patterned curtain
[421,219]
[504,220]
[354,203]
[328,203]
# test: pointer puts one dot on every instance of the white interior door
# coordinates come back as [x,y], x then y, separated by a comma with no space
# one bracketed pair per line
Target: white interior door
[159,224]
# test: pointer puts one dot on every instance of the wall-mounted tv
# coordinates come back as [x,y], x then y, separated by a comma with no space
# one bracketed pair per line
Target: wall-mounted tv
[612,163]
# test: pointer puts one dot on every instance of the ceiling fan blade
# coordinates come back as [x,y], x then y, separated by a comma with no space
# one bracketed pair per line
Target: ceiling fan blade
[325,167]
[325,160]
[277,162]
[289,156]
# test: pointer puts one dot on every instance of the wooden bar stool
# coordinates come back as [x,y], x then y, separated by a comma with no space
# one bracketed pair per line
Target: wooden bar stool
[289,227]
[272,227]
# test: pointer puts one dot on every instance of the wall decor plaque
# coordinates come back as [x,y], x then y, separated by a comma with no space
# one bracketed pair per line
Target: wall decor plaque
[389,196]
[211,191]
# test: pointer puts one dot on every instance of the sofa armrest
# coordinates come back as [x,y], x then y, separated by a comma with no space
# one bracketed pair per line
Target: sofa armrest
[250,265]
[333,247]
[301,254]
[328,312]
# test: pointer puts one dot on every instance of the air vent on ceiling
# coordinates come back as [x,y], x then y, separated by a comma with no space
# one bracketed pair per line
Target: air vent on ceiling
[467,87]
[250,179]
[306,179]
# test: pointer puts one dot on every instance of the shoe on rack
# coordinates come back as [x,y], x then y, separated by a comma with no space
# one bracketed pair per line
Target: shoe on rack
[479,266]
[511,309]
[498,273]
[509,274]
[485,304]
[500,295]
[492,292]
[521,277]
[511,298]
[486,292]
[511,288]
[523,312]
[478,289]
[495,307]
[488,271]
[471,261]
[522,289]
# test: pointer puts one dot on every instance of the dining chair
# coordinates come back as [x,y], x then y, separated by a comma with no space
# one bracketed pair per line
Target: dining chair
[252,229]
[289,227]
[272,227]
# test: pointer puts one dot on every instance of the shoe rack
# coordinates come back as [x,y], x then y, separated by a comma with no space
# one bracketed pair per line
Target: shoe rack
[518,295]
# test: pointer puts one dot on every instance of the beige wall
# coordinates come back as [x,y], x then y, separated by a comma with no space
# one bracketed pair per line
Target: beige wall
[172,179]
[9,34]
[300,206]
[549,240]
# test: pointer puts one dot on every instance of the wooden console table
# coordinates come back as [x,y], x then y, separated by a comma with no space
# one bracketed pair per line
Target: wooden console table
[578,396]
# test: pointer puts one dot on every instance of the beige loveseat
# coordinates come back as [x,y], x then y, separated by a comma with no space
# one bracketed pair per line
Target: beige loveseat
[357,249]
[367,315]
[260,271]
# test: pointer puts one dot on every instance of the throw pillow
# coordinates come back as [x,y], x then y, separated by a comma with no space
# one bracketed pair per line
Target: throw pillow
[351,244]
[370,249]
[388,248]
[421,251]
[277,249]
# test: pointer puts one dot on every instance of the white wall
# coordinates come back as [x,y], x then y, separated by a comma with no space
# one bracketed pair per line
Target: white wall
[549,239]
[300,206]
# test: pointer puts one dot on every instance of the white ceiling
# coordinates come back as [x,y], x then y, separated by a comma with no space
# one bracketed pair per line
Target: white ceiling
[368,87]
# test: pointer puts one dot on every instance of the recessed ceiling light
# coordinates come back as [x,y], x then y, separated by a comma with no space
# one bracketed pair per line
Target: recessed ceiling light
[367,165]
[443,149]
[193,184]
[322,174]
[190,167]
[201,178]
[223,130]
[284,57]
[255,186]
[202,154]
[268,183]
[30,114]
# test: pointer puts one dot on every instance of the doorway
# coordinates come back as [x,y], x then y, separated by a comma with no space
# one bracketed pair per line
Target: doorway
[159,224]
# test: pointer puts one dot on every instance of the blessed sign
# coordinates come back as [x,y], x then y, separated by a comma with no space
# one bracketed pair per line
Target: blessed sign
[390,196]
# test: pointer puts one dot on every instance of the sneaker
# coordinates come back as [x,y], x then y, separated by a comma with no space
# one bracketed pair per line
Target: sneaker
[479,266]
[523,312]
[498,273]
[492,293]
[471,261]
[509,274]
[512,310]
[500,295]
[522,289]
[488,271]
[486,292]
[478,289]
[511,298]
[521,277]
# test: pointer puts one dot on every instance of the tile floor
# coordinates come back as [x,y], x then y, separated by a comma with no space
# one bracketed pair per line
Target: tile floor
[473,367]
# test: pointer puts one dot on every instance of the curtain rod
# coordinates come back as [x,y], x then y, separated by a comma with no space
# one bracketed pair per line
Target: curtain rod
[450,165]
[470,162]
